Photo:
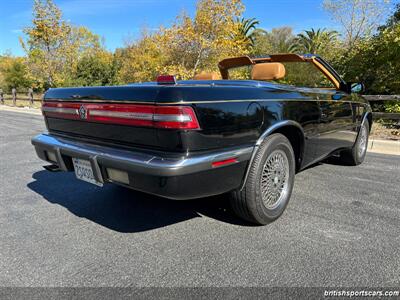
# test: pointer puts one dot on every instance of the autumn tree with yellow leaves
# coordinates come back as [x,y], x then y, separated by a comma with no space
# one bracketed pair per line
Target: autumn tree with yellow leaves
[53,47]
[61,54]
[189,46]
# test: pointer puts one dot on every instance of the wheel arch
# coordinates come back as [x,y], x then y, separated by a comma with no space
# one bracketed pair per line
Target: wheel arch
[368,116]
[292,131]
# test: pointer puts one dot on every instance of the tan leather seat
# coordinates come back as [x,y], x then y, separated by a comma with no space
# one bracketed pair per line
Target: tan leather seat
[207,76]
[268,71]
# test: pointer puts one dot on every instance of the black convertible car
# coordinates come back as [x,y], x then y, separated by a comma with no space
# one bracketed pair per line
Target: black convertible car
[245,131]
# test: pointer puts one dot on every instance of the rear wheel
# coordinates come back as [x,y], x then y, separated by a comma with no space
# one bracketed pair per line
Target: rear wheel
[269,184]
[356,155]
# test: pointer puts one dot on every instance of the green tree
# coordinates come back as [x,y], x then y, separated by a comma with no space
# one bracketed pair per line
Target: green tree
[16,76]
[247,30]
[262,45]
[190,45]
[278,40]
[314,41]
[375,61]
[199,43]
[14,73]
[358,18]
[5,61]
[141,60]
[281,39]
[393,20]
[53,46]
[96,69]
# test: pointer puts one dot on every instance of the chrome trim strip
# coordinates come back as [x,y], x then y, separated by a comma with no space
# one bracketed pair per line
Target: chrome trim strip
[141,116]
[139,162]
[172,118]
[199,101]
[261,139]
[98,101]
[62,110]
[261,100]
[121,114]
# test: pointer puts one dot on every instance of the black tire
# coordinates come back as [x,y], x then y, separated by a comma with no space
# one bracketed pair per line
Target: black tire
[357,153]
[249,203]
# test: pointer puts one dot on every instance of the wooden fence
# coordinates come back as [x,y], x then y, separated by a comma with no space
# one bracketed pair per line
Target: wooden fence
[384,115]
[31,98]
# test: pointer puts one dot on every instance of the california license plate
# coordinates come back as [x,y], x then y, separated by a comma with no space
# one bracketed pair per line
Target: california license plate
[83,171]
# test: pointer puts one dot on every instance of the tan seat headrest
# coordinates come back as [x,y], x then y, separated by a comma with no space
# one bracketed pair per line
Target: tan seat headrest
[207,76]
[268,71]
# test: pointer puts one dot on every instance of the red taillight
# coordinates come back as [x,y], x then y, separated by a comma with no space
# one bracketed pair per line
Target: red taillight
[178,117]
[166,79]
[168,117]
[134,115]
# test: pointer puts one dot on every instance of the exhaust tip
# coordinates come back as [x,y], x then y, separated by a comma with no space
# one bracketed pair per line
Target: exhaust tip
[52,168]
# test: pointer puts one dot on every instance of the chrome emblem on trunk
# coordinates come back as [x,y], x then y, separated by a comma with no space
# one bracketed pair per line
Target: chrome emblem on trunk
[82,112]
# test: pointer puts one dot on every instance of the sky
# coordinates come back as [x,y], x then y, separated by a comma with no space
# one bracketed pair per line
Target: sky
[118,21]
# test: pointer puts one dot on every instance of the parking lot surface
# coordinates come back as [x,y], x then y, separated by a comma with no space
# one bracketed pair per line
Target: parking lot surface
[341,228]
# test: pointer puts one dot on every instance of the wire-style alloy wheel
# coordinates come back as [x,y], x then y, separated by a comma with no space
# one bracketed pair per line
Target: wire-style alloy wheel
[362,146]
[274,179]
[269,185]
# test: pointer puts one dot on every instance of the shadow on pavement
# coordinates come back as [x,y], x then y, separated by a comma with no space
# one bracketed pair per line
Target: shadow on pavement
[125,210]
[331,160]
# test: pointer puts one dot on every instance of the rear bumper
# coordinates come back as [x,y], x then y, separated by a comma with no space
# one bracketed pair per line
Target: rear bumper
[174,176]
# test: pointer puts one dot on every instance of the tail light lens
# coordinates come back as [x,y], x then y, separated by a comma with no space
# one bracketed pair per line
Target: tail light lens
[168,117]
[181,117]
[166,79]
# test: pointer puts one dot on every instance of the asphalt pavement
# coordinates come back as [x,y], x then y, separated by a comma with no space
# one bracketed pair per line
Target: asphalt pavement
[341,228]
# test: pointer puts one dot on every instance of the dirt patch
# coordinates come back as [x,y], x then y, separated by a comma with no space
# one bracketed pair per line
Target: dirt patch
[384,132]
[23,103]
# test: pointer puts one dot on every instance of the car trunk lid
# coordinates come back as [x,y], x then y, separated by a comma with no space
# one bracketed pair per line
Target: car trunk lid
[126,115]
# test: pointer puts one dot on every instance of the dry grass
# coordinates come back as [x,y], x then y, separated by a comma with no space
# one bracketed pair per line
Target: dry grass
[381,131]
[23,103]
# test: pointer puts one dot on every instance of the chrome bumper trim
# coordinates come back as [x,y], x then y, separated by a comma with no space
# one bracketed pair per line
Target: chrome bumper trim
[134,161]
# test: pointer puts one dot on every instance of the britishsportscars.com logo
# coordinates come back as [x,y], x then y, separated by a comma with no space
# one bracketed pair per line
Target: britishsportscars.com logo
[361,293]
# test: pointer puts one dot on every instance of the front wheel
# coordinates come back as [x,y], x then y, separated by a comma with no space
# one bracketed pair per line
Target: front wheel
[269,184]
[356,155]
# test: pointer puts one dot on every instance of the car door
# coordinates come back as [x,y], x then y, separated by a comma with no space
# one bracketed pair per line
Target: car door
[336,128]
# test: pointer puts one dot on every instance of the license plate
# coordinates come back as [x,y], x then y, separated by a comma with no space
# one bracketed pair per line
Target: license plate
[83,171]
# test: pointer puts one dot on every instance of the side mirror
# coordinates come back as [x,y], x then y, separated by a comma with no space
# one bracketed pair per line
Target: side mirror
[356,87]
